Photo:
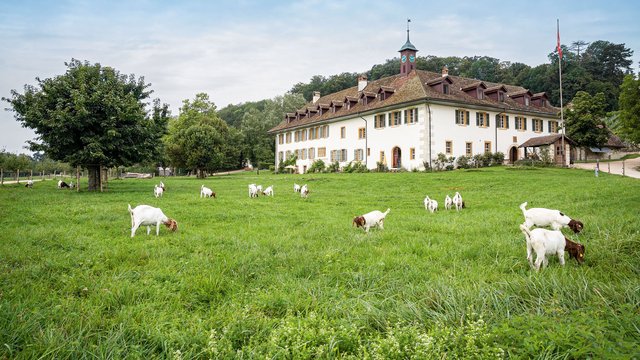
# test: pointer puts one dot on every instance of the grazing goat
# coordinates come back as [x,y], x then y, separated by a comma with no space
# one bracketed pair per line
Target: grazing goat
[430,204]
[457,201]
[548,242]
[253,190]
[29,184]
[206,192]
[146,215]
[304,191]
[162,186]
[158,191]
[548,217]
[63,185]
[448,202]
[296,188]
[268,191]
[259,188]
[370,219]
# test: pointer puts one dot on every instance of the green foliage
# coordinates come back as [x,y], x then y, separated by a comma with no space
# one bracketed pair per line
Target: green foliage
[199,140]
[235,281]
[355,167]
[584,121]
[463,162]
[318,166]
[442,162]
[381,167]
[629,102]
[334,167]
[92,116]
[497,158]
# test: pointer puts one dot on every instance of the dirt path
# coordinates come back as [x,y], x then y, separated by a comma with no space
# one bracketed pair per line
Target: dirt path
[615,167]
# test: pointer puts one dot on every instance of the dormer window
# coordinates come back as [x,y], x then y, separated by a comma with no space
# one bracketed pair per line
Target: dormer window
[367,97]
[475,90]
[496,93]
[440,84]
[336,106]
[385,92]
[540,99]
[350,101]
[322,108]
[500,96]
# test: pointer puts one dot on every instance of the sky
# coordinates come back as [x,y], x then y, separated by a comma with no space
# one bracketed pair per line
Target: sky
[249,50]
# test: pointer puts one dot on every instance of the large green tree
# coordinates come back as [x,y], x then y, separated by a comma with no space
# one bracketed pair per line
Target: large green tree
[200,141]
[585,120]
[629,115]
[92,116]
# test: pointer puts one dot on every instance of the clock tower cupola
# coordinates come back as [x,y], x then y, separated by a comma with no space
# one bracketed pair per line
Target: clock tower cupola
[407,55]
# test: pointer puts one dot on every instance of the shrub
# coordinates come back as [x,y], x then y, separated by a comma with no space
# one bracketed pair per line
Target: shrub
[381,167]
[318,166]
[427,166]
[498,158]
[463,162]
[334,167]
[442,162]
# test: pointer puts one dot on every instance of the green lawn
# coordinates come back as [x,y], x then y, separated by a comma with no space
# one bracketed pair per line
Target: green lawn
[285,277]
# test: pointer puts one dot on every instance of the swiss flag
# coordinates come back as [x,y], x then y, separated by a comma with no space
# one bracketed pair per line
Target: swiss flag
[559,47]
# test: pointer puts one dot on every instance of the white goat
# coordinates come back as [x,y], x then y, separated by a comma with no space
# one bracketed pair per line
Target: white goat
[268,191]
[162,186]
[63,185]
[259,188]
[430,204]
[448,202]
[548,242]
[371,219]
[457,201]
[145,215]
[549,217]
[29,184]
[304,191]
[206,192]
[296,187]
[253,190]
[158,191]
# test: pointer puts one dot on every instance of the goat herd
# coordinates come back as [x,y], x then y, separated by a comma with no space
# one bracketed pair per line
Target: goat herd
[539,240]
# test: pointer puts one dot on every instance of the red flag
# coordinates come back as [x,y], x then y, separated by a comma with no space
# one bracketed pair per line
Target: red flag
[559,48]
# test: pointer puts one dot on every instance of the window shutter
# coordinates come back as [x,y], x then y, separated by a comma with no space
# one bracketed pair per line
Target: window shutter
[477,119]
[466,121]
[533,124]
[524,121]
[549,125]
[487,116]
[406,112]
[507,123]
[457,116]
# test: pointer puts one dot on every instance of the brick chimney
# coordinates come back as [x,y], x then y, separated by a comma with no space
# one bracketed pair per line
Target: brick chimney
[362,82]
[316,96]
[445,71]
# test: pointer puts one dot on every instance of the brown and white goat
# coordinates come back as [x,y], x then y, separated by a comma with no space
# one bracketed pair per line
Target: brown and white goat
[370,219]
[145,215]
[548,242]
[548,217]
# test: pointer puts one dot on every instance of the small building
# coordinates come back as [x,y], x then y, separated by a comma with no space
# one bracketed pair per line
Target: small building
[610,150]
[534,147]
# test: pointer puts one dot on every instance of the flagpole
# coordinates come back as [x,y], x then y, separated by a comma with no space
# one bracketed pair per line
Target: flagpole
[561,107]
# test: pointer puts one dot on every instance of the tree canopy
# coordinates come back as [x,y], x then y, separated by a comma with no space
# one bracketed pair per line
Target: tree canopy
[92,116]
[629,116]
[199,140]
[585,120]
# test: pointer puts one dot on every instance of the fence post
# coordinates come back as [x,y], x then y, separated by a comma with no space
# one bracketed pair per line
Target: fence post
[622,167]
[1,176]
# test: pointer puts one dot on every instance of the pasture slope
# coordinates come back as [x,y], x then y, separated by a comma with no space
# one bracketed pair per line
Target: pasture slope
[284,277]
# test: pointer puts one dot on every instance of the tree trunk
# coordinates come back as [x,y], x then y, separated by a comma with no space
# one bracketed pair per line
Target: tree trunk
[18,176]
[95,179]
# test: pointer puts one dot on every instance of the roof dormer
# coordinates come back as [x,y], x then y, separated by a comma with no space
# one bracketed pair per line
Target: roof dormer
[540,99]
[475,90]
[336,105]
[384,92]
[323,108]
[289,117]
[367,97]
[350,101]
[496,93]
[311,111]
[522,97]
[440,84]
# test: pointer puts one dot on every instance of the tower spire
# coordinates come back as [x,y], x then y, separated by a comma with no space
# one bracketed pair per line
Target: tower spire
[407,55]
[408,21]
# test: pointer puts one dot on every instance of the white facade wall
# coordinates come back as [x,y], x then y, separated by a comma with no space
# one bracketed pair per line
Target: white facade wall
[414,136]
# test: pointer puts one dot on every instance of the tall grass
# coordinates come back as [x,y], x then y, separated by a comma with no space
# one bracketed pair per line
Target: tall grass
[286,277]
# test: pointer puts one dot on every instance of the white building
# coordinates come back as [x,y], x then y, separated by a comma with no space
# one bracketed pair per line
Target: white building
[405,120]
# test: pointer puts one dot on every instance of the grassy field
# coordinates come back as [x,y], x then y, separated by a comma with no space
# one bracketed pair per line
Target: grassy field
[285,277]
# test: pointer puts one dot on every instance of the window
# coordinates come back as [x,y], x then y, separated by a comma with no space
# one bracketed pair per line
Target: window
[394,118]
[343,132]
[312,133]
[448,147]
[536,125]
[382,159]
[339,155]
[411,116]
[380,121]
[304,154]
[289,154]
[515,139]
[304,135]
[296,136]
[362,133]
[445,88]
[480,93]
[482,119]
[462,117]
[469,149]
[487,146]
[281,139]
[553,126]
[500,96]
[368,151]
[326,131]
[280,156]
[412,153]
[521,123]
[288,137]
[502,121]
[527,101]
[312,153]
[334,156]
[358,155]
[343,155]
[322,152]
